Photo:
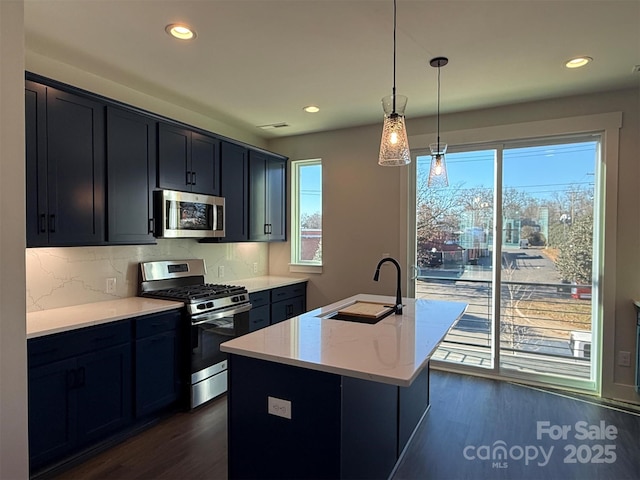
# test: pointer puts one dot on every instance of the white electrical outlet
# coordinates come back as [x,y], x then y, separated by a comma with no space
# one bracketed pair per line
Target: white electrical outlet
[110,286]
[220,271]
[279,407]
[255,267]
[624,358]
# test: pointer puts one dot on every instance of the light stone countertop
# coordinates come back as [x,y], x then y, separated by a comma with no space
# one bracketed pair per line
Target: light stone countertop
[267,282]
[393,351]
[56,320]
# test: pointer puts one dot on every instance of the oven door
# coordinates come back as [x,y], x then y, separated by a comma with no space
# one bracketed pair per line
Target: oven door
[208,363]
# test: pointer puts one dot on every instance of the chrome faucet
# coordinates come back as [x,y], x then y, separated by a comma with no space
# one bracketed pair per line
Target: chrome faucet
[398,306]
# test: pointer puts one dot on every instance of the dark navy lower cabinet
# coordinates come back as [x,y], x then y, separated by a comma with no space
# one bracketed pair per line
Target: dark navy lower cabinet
[52,412]
[259,317]
[158,362]
[80,389]
[338,427]
[104,393]
[90,384]
[288,301]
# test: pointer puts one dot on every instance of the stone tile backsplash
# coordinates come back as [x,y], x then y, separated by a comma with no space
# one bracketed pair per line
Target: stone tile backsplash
[65,276]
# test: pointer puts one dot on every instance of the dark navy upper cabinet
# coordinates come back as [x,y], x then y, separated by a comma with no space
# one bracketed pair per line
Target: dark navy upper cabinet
[35,96]
[131,175]
[234,174]
[65,155]
[188,160]
[267,181]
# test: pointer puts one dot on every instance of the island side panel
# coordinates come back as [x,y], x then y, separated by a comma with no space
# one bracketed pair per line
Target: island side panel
[266,446]
[414,402]
[369,429]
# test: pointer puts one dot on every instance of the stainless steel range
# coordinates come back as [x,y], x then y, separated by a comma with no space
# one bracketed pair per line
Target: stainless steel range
[216,314]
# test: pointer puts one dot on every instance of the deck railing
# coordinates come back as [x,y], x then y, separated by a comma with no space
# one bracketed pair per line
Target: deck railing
[544,327]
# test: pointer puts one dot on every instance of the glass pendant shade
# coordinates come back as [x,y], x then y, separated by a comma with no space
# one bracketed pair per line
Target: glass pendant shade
[438,171]
[394,146]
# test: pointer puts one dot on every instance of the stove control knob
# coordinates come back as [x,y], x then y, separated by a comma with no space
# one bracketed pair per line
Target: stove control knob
[209,304]
[235,299]
[200,306]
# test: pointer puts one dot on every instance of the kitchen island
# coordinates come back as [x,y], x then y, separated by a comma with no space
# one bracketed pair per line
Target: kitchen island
[317,397]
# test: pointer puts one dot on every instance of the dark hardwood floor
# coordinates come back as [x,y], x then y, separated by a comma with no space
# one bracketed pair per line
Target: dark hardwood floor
[469,420]
[188,445]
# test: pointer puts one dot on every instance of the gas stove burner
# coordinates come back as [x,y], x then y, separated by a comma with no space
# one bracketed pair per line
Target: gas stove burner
[194,293]
[183,281]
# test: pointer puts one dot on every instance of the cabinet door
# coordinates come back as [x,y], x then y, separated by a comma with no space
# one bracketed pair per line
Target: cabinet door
[205,164]
[234,174]
[276,184]
[131,176]
[174,157]
[75,169]
[281,311]
[104,393]
[157,372]
[266,197]
[258,225]
[52,410]
[35,96]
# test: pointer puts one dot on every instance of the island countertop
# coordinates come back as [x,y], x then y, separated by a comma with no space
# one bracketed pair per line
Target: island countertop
[393,351]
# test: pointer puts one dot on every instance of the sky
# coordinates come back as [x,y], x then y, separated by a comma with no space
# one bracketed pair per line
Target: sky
[311,189]
[540,171]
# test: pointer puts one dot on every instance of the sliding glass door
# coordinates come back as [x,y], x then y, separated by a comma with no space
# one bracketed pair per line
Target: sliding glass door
[512,236]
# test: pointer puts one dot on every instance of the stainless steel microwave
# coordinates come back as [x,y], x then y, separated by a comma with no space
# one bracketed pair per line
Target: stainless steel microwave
[188,215]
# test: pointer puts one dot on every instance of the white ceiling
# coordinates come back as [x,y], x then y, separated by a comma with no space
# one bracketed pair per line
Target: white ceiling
[257,62]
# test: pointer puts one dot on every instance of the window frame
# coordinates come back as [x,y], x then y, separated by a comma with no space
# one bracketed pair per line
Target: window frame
[606,124]
[297,264]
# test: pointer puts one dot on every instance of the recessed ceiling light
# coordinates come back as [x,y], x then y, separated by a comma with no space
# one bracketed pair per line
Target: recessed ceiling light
[311,109]
[578,62]
[180,31]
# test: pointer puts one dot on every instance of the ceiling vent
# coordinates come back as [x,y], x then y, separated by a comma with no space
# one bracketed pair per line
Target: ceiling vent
[271,126]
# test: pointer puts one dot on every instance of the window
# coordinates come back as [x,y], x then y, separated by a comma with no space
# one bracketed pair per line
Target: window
[529,204]
[306,214]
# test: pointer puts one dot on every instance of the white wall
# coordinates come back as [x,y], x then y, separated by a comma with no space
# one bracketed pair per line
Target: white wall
[364,211]
[361,214]
[13,362]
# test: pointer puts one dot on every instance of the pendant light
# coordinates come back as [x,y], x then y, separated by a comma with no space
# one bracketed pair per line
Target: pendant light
[394,146]
[438,171]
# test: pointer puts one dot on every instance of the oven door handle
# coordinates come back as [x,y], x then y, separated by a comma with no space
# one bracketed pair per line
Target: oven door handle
[211,316]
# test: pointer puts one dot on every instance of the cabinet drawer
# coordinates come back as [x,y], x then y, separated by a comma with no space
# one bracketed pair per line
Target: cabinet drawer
[258,299]
[63,345]
[290,291]
[157,323]
[259,317]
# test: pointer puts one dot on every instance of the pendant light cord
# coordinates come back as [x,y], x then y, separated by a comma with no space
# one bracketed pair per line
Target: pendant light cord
[438,118]
[394,57]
